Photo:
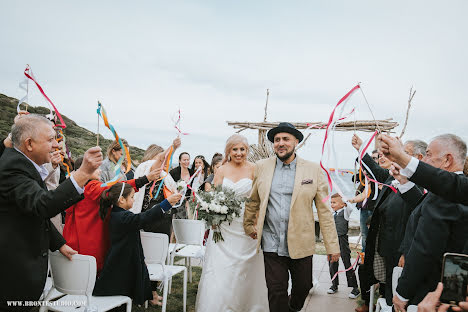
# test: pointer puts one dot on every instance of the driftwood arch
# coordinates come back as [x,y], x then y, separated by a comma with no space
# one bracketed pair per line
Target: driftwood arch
[264,149]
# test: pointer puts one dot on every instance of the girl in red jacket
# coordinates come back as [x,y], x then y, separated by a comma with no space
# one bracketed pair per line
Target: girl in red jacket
[84,230]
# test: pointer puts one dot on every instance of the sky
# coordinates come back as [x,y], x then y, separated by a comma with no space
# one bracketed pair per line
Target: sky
[214,60]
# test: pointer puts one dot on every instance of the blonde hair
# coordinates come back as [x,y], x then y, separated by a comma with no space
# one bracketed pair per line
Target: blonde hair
[151,152]
[231,141]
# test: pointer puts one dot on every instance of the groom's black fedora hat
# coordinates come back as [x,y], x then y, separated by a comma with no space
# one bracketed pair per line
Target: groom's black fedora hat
[285,127]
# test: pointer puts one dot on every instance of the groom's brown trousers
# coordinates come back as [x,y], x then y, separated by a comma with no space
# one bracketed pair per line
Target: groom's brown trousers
[277,277]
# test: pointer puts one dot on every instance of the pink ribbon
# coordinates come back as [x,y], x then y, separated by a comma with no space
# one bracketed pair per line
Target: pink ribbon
[330,122]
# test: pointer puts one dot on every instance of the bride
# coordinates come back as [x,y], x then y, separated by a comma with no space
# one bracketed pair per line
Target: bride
[233,276]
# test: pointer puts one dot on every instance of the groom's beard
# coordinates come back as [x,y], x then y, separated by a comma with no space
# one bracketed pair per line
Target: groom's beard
[285,156]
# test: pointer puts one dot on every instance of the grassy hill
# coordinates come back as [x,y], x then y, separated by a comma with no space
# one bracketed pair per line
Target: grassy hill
[78,138]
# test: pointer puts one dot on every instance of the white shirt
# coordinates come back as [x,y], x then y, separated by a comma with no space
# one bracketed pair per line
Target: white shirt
[43,172]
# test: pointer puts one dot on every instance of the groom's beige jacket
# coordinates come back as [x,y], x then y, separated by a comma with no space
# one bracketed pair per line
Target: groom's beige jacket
[309,186]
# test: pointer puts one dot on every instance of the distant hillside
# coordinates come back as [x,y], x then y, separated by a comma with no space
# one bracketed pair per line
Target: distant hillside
[78,138]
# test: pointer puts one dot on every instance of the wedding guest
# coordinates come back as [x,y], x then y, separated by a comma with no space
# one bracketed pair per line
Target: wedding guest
[151,194]
[386,231]
[183,172]
[114,152]
[448,185]
[365,202]
[341,214]
[26,205]
[441,227]
[125,271]
[216,155]
[200,179]
[215,164]
[52,181]
[84,230]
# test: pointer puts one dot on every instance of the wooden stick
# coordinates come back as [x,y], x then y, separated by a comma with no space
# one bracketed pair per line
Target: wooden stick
[266,105]
[411,96]
[303,142]
[97,135]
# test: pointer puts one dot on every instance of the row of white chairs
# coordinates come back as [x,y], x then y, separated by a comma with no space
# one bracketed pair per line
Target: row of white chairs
[74,280]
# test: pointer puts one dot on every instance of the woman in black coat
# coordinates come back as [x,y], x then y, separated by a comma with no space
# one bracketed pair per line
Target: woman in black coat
[125,272]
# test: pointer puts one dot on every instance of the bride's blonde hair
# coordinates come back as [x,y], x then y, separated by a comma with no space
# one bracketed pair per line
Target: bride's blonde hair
[231,141]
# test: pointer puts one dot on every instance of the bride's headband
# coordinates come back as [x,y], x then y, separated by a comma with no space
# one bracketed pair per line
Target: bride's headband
[121,191]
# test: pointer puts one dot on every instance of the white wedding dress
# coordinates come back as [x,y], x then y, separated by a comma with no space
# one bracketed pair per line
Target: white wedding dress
[233,276]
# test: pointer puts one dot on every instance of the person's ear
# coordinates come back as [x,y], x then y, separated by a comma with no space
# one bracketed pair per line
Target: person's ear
[449,160]
[28,144]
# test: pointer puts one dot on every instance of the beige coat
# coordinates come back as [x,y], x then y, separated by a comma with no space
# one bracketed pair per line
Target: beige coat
[301,226]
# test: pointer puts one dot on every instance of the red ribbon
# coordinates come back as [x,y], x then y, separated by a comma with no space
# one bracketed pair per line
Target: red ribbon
[360,163]
[330,120]
[26,73]
[177,125]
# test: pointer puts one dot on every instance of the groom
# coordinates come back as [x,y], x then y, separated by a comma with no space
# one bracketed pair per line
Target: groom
[283,190]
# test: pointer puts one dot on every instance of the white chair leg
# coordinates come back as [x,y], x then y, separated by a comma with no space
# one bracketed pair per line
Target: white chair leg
[185,291]
[190,269]
[371,299]
[166,286]
[129,305]
[146,304]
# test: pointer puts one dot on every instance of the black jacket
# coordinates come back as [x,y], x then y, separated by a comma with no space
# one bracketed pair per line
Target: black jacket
[125,272]
[26,233]
[441,228]
[390,215]
[448,185]
[412,224]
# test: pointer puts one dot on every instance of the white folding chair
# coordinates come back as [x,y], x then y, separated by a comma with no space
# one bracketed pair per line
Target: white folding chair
[190,233]
[382,303]
[155,249]
[76,278]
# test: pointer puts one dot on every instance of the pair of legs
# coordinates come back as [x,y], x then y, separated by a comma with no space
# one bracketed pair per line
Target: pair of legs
[346,258]
[277,270]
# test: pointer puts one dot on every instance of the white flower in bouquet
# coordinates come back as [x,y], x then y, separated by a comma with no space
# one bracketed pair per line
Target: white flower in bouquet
[224,209]
[181,185]
[204,206]
[218,206]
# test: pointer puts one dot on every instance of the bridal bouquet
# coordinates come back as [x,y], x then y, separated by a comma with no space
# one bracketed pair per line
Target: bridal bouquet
[216,207]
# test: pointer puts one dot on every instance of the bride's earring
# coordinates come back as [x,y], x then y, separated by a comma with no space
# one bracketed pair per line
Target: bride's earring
[229,158]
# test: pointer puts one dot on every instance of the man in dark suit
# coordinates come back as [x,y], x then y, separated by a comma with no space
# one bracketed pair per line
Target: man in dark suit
[26,233]
[451,186]
[387,228]
[441,227]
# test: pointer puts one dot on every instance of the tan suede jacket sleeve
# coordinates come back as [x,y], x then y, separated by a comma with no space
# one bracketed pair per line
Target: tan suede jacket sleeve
[327,224]
[252,206]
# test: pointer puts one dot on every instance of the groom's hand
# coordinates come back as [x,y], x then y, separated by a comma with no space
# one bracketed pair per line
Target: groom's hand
[333,257]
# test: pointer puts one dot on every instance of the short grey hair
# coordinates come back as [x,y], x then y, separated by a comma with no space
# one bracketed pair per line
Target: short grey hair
[27,126]
[454,144]
[419,147]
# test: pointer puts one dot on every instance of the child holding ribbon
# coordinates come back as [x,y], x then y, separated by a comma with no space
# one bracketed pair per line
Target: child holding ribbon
[341,213]
[84,230]
[125,271]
